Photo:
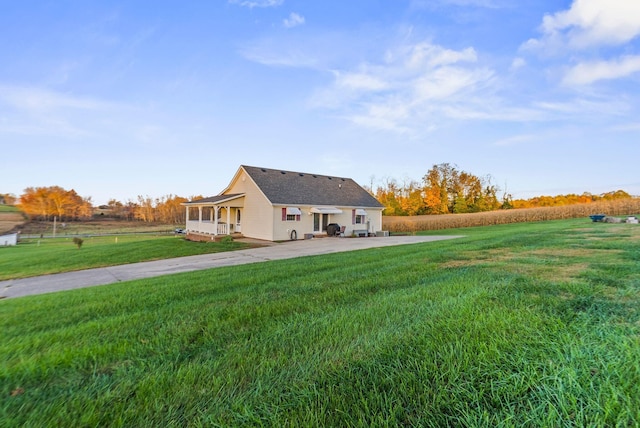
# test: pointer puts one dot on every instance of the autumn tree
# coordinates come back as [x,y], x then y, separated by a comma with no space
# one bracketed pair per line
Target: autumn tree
[145,209]
[169,209]
[388,196]
[437,183]
[48,202]
[412,201]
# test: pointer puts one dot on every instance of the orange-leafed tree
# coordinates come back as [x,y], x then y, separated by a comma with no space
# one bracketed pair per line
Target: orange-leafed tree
[47,202]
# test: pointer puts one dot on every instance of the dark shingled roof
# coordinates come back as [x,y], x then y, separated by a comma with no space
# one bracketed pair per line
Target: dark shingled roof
[298,188]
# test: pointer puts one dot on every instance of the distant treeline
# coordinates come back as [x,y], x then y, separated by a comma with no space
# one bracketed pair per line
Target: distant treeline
[617,207]
[447,190]
[45,203]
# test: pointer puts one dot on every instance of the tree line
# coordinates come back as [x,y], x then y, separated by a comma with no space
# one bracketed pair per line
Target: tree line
[45,203]
[445,189]
[166,209]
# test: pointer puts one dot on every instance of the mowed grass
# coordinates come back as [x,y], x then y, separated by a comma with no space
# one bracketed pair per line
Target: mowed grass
[517,325]
[39,257]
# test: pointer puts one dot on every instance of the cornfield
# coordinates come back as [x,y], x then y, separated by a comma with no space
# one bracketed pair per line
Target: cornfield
[620,207]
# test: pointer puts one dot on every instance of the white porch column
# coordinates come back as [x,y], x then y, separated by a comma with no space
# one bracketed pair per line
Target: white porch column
[215,221]
[228,220]
[187,216]
[199,218]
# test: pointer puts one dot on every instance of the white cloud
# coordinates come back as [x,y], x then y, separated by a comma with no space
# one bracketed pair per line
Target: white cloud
[590,23]
[517,63]
[582,107]
[257,3]
[293,20]
[428,55]
[597,34]
[359,81]
[410,89]
[589,72]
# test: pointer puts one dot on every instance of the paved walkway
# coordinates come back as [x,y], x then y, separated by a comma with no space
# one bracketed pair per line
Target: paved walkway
[110,275]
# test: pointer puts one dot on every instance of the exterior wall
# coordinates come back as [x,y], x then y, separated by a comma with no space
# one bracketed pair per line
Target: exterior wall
[257,212]
[282,229]
[8,240]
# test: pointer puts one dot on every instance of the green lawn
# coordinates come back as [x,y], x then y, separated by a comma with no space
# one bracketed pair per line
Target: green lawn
[44,256]
[516,325]
[8,209]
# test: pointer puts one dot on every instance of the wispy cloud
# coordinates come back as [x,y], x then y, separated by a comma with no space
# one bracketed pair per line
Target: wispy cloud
[293,20]
[39,111]
[257,3]
[583,107]
[517,63]
[589,72]
[407,89]
[289,56]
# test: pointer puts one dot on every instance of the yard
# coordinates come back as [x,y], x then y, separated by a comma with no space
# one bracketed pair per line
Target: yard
[534,324]
[45,256]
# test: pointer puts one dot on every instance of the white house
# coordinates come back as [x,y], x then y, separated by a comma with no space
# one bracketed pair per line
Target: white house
[8,239]
[278,205]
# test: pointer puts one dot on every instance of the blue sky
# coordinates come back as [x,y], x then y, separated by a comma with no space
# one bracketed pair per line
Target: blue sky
[118,99]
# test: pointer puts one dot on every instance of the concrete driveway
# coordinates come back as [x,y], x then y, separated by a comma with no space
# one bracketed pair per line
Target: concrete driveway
[275,251]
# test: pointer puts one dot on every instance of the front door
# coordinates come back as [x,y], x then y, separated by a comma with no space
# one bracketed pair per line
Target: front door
[238,217]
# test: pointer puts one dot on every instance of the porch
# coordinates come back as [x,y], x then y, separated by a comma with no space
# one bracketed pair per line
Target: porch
[219,215]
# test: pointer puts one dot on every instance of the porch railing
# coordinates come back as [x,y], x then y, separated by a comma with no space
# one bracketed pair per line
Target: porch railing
[223,228]
[208,227]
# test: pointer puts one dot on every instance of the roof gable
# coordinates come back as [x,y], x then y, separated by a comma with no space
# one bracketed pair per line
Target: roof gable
[297,188]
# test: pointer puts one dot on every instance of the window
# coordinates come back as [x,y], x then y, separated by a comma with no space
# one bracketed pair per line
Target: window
[358,216]
[291,214]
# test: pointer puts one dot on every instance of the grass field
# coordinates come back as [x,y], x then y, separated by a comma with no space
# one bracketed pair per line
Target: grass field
[515,325]
[38,257]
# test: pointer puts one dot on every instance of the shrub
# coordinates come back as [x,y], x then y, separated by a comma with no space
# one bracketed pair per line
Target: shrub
[226,240]
[78,242]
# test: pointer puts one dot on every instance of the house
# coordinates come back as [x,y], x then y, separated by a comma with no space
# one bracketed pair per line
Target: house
[278,205]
